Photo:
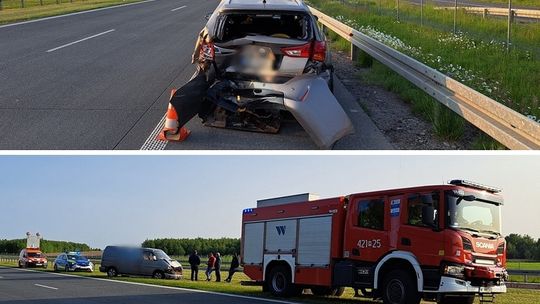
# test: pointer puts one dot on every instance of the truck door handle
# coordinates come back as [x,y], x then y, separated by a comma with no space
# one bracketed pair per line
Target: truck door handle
[405,241]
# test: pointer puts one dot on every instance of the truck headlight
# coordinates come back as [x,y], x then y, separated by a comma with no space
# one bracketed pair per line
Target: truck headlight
[457,271]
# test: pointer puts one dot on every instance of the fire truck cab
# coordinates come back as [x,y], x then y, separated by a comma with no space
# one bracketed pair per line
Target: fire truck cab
[440,243]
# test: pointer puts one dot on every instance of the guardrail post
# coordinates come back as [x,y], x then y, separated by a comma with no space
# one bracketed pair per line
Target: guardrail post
[509,33]
[526,278]
[485,13]
[455,15]
[422,12]
[41,2]
[397,10]
[22,3]
[360,57]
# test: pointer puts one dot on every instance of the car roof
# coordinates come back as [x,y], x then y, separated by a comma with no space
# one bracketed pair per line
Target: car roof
[270,5]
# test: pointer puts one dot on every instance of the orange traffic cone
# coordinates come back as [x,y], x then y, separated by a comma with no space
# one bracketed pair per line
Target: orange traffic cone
[170,130]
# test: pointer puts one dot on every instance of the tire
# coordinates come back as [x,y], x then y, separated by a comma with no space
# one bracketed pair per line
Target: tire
[456,300]
[66,268]
[400,288]
[55,267]
[158,275]
[20,265]
[112,272]
[280,282]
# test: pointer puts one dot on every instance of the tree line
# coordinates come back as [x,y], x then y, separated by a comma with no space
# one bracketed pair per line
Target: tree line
[46,246]
[522,247]
[225,246]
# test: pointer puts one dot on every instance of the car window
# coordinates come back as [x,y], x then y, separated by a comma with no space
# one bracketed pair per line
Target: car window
[371,214]
[414,208]
[284,25]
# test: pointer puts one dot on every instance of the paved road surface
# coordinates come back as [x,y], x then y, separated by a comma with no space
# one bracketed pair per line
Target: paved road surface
[101,80]
[31,287]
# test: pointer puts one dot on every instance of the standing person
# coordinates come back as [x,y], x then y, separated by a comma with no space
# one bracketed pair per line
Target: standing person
[194,262]
[217,266]
[234,267]
[210,266]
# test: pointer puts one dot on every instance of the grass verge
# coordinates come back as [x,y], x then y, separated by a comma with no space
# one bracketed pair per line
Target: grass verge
[32,10]
[514,296]
[511,79]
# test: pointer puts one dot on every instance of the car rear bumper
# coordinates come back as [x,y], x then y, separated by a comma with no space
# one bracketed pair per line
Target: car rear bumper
[455,285]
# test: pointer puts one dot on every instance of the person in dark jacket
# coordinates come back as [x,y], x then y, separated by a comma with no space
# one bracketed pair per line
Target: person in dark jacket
[217,267]
[194,262]
[234,267]
[210,266]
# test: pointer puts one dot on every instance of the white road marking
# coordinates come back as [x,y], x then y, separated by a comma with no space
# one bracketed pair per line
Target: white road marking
[80,40]
[76,13]
[45,286]
[151,142]
[163,287]
[181,7]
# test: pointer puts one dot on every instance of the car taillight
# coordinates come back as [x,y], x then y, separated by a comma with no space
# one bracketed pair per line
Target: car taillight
[207,51]
[319,51]
[302,51]
[315,50]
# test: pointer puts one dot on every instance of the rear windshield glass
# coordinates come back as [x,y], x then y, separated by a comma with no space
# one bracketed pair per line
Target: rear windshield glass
[238,25]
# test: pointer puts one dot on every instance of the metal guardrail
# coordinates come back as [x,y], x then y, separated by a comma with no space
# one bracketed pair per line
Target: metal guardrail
[500,11]
[505,125]
[524,273]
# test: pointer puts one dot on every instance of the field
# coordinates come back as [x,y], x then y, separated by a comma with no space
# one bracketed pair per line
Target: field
[514,296]
[475,56]
[33,9]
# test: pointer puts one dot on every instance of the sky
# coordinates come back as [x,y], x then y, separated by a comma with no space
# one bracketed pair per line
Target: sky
[102,200]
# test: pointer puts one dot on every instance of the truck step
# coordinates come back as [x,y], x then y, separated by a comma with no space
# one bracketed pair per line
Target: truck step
[487,298]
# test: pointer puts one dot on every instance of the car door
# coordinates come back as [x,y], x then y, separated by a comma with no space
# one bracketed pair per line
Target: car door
[425,242]
[148,263]
[366,236]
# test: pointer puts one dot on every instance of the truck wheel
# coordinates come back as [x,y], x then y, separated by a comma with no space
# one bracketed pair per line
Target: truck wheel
[456,300]
[399,288]
[158,275]
[280,282]
[112,272]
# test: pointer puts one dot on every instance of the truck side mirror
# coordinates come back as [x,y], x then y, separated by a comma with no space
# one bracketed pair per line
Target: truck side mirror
[428,216]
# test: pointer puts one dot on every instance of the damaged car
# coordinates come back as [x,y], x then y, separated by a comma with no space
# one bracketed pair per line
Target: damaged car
[256,62]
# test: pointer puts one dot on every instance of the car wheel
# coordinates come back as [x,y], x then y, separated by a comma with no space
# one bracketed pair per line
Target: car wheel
[66,269]
[20,265]
[112,272]
[55,267]
[158,275]
[399,288]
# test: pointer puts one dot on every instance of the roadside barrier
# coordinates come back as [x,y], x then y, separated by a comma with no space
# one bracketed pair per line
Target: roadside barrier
[505,125]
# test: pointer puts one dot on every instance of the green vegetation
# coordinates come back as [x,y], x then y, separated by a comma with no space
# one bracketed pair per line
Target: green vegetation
[178,247]
[47,246]
[476,56]
[522,247]
[514,296]
[33,9]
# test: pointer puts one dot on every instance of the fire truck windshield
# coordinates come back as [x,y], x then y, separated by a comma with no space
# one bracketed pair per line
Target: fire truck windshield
[474,215]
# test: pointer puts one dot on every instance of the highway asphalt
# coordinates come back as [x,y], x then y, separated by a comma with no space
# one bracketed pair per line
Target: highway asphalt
[32,287]
[102,79]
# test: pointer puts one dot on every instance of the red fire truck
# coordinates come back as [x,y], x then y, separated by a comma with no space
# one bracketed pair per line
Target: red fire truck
[441,243]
